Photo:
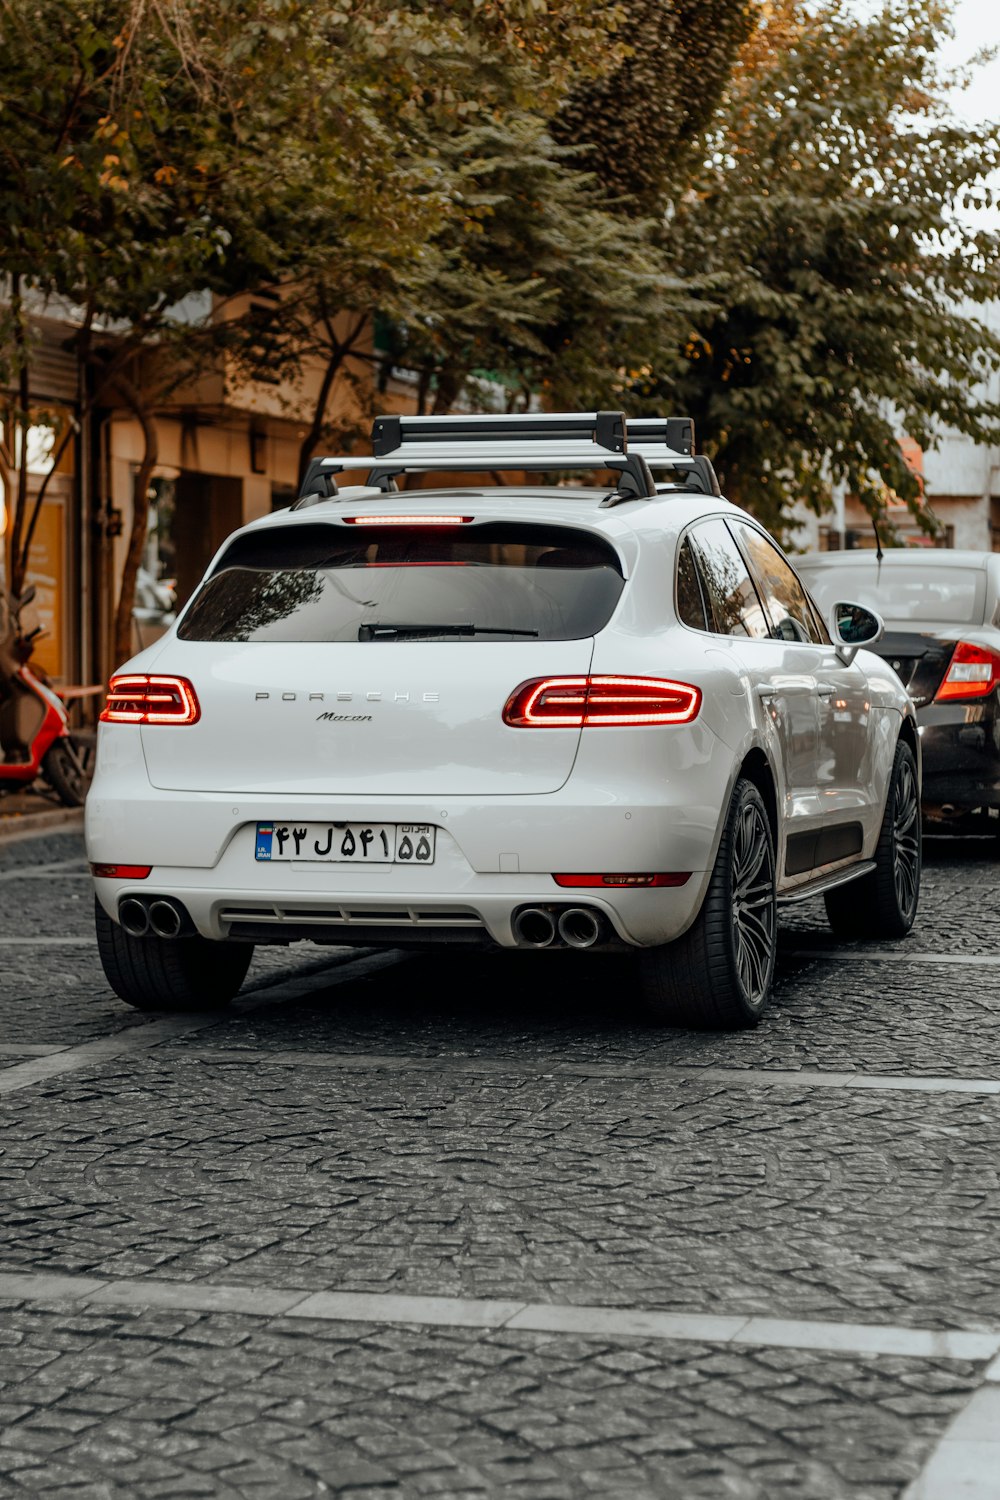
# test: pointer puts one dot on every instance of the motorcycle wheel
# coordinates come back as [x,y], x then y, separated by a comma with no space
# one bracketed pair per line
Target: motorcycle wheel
[67,769]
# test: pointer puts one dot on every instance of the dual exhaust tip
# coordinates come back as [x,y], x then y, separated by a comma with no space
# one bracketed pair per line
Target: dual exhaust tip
[577,927]
[156,916]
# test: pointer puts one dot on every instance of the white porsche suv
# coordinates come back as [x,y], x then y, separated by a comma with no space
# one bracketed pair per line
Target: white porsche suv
[603,714]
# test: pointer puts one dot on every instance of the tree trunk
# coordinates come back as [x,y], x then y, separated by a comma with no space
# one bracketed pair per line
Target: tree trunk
[22,422]
[308,445]
[449,387]
[133,399]
[340,351]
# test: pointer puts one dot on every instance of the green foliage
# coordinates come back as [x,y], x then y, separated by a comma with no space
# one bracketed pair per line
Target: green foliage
[638,126]
[841,286]
[537,284]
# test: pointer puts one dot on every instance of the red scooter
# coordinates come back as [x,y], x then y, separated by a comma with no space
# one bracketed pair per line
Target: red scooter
[35,737]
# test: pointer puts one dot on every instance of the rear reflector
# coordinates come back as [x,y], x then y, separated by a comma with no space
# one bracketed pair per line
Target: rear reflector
[974,672]
[620,880]
[120,872]
[575,702]
[151,700]
[407,520]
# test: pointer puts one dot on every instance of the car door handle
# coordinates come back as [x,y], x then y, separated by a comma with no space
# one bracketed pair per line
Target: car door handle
[825,689]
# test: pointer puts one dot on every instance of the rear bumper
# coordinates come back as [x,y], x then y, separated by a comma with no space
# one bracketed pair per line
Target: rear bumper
[961,755]
[481,913]
[657,809]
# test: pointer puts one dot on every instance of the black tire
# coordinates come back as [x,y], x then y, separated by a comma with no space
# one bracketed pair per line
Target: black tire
[883,903]
[67,768]
[185,973]
[717,976]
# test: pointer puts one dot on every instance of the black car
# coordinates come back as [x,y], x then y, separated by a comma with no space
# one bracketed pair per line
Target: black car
[942,636]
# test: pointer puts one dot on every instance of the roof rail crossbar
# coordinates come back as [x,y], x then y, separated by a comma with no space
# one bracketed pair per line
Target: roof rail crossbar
[672,432]
[405,437]
[635,480]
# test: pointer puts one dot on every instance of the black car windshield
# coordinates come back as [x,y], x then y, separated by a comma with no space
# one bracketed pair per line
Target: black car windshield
[922,592]
[466,583]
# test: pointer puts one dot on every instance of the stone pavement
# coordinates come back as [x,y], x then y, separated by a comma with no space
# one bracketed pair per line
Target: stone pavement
[462,1226]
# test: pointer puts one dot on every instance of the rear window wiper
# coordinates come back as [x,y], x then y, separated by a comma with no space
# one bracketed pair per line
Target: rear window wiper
[377,631]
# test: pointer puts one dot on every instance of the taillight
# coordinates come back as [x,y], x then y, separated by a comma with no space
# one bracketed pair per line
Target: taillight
[974,671]
[151,700]
[120,872]
[575,702]
[672,878]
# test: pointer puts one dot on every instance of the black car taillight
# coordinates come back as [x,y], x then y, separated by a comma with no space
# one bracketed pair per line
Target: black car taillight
[973,672]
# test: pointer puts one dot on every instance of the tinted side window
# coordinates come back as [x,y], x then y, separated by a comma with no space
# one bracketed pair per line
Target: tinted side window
[732,598]
[690,603]
[785,599]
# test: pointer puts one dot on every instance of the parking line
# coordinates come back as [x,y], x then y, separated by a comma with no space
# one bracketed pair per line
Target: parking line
[371,1062]
[31,1049]
[140,1036]
[965,1465]
[76,867]
[892,956]
[47,942]
[510,1315]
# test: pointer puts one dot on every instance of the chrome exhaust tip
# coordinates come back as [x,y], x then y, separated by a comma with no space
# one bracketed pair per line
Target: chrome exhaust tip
[165,919]
[133,916]
[580,928]
[534,928]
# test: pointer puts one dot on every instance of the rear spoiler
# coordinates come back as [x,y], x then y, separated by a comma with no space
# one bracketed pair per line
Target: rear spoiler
[536,441]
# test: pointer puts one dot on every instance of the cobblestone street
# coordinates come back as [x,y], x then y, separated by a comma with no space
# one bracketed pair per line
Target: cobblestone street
[461,1226]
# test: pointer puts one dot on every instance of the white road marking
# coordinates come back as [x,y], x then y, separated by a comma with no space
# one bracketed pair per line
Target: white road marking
[364,1062]
[892,956]
[141,1036]
[61,867]
[30,1049]
[474,1312]
[49,942]
[965,1465]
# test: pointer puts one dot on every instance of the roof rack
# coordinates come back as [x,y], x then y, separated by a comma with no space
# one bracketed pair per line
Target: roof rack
[529,442]
[667,443]
[597,432]
[669,432]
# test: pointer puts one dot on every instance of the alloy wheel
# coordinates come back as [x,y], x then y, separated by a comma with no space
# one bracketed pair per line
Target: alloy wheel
[906,838]
[754,916]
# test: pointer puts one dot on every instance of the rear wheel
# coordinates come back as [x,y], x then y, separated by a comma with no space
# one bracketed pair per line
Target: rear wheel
[67,768]
[185,973]
[883,903]
[718,975]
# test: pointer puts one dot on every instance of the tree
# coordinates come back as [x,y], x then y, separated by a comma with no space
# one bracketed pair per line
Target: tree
[466,92]
[157,147]
[638,127]
[153,148]
[841,279]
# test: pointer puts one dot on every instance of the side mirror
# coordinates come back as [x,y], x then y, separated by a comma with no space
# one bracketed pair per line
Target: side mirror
[853,626]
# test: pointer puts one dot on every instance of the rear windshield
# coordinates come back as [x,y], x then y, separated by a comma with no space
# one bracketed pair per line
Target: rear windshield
[932,595]
[498,581]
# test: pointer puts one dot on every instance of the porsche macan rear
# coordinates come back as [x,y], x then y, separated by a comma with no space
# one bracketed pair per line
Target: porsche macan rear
[395,733]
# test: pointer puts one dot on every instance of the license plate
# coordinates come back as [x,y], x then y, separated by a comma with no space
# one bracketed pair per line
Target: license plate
[346,843]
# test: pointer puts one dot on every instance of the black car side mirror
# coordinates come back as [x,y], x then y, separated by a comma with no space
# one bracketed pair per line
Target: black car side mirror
[853,626]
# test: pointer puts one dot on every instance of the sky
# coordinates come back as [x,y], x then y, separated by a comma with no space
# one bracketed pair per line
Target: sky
[977,24]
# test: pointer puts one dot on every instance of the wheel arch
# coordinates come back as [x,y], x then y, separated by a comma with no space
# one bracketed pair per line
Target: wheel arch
[909,735]
[757,768]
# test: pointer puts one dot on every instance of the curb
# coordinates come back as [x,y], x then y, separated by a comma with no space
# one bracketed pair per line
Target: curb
[17,826]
